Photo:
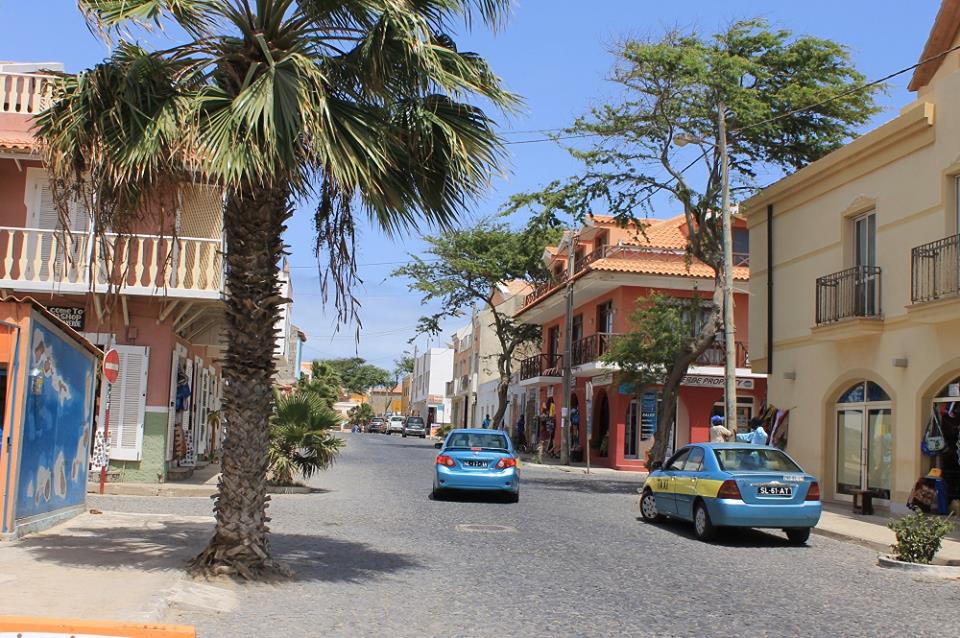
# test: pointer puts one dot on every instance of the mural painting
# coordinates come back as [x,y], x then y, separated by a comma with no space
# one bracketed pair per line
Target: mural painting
[58,417]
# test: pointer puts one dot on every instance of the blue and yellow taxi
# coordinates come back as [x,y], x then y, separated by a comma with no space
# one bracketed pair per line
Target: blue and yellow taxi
[733,485]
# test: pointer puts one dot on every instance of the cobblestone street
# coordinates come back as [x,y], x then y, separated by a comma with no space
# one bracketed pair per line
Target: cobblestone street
[376,557]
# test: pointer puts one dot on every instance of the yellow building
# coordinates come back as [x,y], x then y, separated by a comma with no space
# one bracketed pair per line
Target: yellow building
[855,275]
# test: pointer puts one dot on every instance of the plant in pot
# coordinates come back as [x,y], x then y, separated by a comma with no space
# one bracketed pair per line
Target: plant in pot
[919,537]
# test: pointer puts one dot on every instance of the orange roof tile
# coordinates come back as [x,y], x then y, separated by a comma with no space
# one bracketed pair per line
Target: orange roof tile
[658,263]
[17,141]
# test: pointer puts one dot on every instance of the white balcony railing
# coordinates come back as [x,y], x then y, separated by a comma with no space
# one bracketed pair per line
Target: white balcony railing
[51,260]
[25,93]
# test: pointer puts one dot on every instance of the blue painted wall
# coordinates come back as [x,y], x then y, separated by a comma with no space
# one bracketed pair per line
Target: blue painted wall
[58,417]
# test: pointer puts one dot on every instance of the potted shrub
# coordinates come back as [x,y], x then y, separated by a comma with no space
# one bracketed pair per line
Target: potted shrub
[919,537]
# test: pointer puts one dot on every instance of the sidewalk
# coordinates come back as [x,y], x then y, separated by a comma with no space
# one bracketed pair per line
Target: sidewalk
[581,468]
[202,483]
[111,566]
[837,521]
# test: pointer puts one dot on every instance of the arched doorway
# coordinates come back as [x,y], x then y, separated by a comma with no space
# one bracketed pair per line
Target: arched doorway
[864,440]
[601,424]
[946,405]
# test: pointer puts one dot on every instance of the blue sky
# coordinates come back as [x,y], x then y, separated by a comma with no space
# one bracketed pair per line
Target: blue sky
[556,54]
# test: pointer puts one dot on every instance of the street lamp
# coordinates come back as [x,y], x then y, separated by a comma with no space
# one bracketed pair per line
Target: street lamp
[730,354]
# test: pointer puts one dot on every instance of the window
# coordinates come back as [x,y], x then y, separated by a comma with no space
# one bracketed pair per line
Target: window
[605,317]
[676,463]
[577,333]
[553,340]
[744,412]
[600,242]
[748,459]
[483,440]
[694,461]
[864,452]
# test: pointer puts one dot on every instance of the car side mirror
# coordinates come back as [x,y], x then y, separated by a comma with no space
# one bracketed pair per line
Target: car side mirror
[656,465]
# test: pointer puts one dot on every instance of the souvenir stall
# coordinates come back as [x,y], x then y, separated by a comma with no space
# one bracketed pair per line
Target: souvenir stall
[938,491]
[49,382]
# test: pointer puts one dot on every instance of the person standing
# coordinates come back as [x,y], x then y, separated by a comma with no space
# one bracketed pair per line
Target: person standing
[719,433]
[757,436]
[486,422]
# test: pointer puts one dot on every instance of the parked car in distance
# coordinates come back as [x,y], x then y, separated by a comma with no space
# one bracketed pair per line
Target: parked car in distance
[377,424]
[395,424]
[733,485]
[474,459]
[414,426]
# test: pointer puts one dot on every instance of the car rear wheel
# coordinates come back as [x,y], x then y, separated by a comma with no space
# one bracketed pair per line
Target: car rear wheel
[798,535]
[404,435]
[514,497]
[702,525]
[648,507]
[436,494]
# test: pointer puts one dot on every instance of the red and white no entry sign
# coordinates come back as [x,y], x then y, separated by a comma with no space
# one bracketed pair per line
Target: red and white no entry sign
[111,365]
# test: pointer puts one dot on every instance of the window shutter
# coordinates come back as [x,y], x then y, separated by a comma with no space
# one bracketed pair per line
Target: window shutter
[178,353]
[128,400]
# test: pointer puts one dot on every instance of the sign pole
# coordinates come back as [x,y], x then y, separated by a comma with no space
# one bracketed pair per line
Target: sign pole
[588,391]
[111,373]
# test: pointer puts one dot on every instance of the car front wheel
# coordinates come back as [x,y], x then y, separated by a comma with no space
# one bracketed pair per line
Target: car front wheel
[648,507]
[798,535]
[702,525]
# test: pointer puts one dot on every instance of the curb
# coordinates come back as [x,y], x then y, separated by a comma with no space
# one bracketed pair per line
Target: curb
[950,572]
[847,538]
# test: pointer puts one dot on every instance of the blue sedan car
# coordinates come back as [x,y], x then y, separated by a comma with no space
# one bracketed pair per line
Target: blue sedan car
[475,459]
[733,485]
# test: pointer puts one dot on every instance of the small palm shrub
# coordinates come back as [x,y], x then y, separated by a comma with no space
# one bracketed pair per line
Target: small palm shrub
[301,437]
[919,537]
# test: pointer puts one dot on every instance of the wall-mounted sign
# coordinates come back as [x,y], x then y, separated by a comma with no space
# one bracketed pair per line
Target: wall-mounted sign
[73,317]
[648,415]
[603,379]
[714,382]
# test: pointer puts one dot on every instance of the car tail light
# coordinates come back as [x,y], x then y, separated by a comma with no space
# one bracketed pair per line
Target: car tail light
[729,490]
[443,459]
[813,494]
[504,463]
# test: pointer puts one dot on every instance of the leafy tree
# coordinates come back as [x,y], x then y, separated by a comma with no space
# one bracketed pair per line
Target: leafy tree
[301,437]
[357,376]
[324,381]
[664,330]
[463,270]
[364,104]
[787,101]
[402,367]
[361,414]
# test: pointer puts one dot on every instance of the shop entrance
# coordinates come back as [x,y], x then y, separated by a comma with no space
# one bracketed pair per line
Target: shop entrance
[575,423]
[947,406]
[601,423]
[864,440]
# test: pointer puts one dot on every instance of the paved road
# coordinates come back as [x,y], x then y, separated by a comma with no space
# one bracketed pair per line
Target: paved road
[376,557]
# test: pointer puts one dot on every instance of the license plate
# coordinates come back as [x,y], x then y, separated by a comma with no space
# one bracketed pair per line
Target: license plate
[475,463]
[775,490]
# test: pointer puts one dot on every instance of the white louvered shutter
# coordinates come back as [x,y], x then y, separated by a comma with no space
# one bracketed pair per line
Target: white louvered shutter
[42,214]
[128,401]
[178,353]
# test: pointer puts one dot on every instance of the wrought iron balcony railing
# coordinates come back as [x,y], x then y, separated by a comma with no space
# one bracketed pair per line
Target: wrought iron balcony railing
[935,270]
[541,365]
[854,292]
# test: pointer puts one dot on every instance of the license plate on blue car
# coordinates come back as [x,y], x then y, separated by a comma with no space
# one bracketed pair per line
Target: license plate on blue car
[475,463]
[784,491]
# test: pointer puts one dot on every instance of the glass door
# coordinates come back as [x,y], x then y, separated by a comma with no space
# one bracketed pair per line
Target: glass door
[849,450]
[866,256]
[878,452]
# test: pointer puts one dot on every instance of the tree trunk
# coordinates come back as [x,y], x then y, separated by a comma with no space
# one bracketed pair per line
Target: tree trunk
[502,388]
[670,392]
[253,222]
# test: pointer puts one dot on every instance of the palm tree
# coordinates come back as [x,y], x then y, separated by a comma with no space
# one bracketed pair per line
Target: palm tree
[324,382]
[361,414]
[363,104]
[301,438]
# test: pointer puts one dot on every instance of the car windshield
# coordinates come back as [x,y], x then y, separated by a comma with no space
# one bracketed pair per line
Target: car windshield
[415,422]
[750,459]
[484,440]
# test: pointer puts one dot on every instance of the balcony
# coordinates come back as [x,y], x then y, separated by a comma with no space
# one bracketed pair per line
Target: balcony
[25,93]
[541,365]
[34,259]
[848,303]
[935,270]
[590,349]
[716,355]
[449,388]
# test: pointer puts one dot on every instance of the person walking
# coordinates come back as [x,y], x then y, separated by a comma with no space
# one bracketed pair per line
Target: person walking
[486,422]
[520,435]
[719,433]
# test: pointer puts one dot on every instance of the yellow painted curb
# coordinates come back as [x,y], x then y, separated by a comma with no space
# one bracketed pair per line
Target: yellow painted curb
[72,627]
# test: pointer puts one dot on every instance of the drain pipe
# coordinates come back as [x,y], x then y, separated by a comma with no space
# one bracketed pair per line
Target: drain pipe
[8,414]
[769,289]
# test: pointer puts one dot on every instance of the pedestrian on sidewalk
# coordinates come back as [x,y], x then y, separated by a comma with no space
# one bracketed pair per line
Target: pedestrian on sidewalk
[719,433]
[757,436]
[486,422]
[520,436]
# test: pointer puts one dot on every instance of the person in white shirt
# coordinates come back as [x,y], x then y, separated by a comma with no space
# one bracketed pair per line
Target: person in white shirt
[718,433]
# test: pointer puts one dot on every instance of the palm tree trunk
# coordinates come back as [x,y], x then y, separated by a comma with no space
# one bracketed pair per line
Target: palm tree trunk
[254,223]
